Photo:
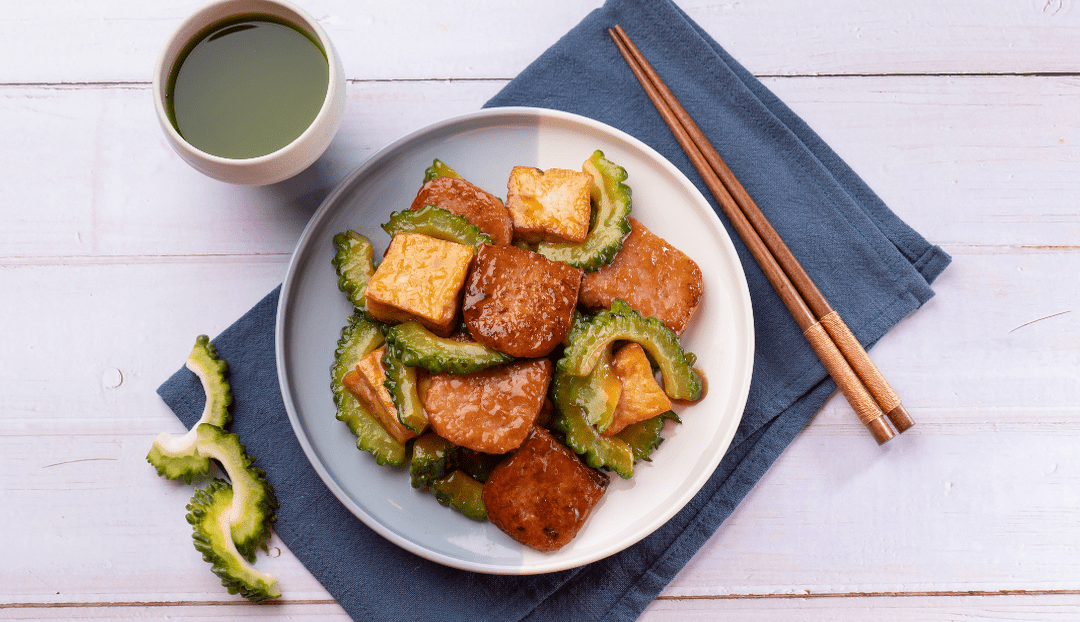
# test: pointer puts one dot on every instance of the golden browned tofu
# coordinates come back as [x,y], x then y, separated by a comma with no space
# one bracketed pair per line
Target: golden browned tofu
[420,278]
[543,494]
[366,384]
[490,410]
[641,396]
[549,206]
[652,276]
[519,302]
[478,206]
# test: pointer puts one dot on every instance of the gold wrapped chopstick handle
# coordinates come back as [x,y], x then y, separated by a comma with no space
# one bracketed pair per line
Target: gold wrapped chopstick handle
[857,395]
[877,385]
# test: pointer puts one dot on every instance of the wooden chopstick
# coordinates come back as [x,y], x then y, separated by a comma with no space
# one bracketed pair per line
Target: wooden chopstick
[852,350]
[844,358]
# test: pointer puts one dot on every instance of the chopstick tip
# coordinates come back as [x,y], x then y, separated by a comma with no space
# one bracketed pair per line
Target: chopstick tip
[900,418]
[880,430]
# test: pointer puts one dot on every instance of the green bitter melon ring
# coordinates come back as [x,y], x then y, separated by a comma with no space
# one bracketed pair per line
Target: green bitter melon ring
[176,456]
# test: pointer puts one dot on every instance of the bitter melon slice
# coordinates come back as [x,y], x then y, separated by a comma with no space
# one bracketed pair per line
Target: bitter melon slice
[436,222]
[419,347]
[359,338]
[610,222]
[622,323]
[176,456]
[439,168]
[209,514]
[354,265]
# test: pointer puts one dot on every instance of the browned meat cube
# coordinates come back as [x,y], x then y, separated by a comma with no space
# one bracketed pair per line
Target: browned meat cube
[543,494]
[478,206]
[490,410]
[519,302]
[652,276]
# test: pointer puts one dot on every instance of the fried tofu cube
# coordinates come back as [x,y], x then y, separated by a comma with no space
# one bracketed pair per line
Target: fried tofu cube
[519,302]
[641,397]
[542,494]
[491,410]
[549,206]
[366,384]
[653,277]
[420,278]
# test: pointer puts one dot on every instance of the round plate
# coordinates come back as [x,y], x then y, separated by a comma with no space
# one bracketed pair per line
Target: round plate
[483,147]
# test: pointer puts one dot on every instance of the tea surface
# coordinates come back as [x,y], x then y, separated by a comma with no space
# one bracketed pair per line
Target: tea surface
[247,88]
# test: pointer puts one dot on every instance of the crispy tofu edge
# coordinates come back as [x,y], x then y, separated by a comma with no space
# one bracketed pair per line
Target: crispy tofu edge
[561,222]
[386,304]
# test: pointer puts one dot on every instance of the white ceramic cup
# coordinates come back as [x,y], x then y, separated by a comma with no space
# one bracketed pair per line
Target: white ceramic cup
[286,161]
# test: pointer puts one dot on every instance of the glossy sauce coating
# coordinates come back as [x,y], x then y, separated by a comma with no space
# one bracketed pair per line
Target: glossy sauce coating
[549,206]
[419,278]
[478,206]
[641,396]
[365,382]
[543,494]
[519,302]
[490,410]
[652,276]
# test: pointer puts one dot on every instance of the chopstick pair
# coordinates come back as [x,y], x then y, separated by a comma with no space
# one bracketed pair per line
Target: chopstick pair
[845,359]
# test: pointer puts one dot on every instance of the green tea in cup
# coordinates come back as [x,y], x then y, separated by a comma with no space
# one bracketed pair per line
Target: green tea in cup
[247,86]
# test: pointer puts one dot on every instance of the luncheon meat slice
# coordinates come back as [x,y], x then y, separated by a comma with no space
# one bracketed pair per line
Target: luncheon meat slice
[653,277]
[478,206]
[543,493]
[519,302]
[490,410]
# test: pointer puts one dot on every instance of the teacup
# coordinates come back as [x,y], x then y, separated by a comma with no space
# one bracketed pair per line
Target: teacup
[229,17]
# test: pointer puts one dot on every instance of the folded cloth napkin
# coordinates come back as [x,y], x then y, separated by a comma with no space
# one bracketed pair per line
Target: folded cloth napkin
[873,268]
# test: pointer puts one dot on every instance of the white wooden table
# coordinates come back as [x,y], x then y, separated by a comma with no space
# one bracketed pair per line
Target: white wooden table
[964,116]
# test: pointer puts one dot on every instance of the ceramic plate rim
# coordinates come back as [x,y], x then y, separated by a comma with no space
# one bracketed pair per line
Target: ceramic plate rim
[492,116]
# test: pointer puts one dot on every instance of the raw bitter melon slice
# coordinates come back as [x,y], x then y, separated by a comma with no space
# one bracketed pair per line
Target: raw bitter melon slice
[209,514]
[177,456]
[254,505]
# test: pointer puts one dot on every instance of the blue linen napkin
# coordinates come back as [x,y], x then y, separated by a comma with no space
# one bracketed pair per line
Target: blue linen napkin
[872,267]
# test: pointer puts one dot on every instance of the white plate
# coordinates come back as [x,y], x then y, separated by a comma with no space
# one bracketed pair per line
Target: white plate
[483,147]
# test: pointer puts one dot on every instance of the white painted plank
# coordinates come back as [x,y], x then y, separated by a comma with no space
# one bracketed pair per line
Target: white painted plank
[111,248]
[966,161]
[119,40]
[124,192]
[970,161]
[201,611]
[1048,608]
[985,502]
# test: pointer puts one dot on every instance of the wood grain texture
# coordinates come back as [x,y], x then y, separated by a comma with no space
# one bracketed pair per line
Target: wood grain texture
[118,40]
[964,117]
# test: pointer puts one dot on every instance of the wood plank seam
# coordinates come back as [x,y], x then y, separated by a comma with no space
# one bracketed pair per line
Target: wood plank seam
[914,593]
[165,603]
